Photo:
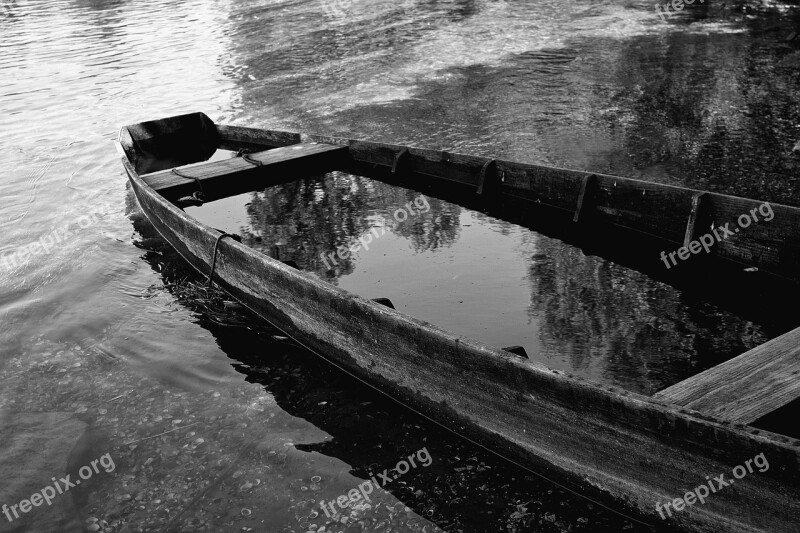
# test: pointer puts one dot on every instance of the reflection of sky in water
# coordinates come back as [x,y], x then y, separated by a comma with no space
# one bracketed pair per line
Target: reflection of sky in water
[606,87]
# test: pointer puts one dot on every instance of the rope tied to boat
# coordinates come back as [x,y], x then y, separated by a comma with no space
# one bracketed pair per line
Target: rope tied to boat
[188,177]
[214,257]
[252,161]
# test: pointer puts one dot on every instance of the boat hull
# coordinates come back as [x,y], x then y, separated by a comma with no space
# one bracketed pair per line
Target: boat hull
[612,443]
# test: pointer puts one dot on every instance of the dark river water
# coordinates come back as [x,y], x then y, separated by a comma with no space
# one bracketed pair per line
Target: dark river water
[205,419]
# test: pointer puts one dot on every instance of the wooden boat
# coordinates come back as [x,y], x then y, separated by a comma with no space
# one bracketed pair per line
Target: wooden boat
[635,450]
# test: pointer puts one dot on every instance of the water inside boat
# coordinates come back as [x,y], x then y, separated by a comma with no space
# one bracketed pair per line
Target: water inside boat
[491,280]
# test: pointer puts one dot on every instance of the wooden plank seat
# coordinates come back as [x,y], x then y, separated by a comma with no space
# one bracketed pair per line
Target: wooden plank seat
[227,177]
[747,387]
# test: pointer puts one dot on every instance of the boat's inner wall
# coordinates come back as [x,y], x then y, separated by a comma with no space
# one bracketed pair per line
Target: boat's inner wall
[492,280]
[675,214]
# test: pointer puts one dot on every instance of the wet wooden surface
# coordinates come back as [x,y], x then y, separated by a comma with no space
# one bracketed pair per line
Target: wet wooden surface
[224,177]
[747,387]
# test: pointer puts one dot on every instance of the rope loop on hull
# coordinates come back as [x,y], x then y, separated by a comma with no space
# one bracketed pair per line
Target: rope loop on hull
[214,257]
[188,177]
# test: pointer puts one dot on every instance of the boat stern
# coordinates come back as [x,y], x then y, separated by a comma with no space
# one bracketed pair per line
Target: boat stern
[160,144]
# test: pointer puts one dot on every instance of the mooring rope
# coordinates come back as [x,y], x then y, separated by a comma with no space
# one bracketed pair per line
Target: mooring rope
[214,257]
[188,177]
[252,161]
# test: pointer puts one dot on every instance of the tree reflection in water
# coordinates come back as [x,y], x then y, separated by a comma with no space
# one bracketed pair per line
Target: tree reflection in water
[624,328]
[305,220]
[584,315]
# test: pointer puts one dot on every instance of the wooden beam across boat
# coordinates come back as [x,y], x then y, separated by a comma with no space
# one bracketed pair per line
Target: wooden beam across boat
[747,387]
[247,172]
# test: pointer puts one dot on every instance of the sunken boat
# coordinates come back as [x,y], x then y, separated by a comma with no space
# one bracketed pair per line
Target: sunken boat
[642,452]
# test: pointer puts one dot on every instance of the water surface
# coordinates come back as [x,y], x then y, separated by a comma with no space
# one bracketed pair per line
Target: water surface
[107,345]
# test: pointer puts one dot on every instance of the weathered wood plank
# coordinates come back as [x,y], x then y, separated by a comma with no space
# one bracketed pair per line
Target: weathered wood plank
[227,176]
[460,168]
[235,137]
[747,387]
[770,245]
